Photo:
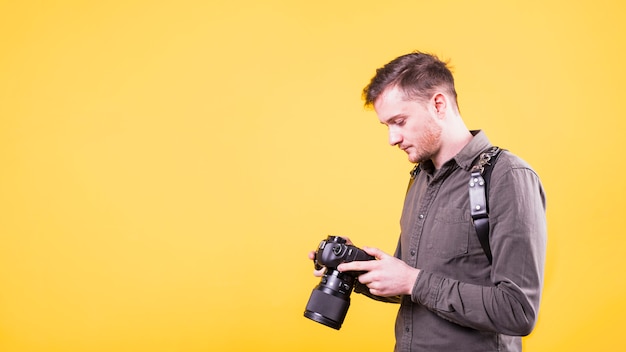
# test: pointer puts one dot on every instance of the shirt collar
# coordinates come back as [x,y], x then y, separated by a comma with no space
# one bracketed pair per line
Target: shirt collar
[465,158]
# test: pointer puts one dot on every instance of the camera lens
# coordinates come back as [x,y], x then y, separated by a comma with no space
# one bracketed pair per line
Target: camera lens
[330,300]
[327,309]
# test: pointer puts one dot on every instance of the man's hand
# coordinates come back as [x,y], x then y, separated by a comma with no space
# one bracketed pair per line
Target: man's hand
[386,276]
[317,273]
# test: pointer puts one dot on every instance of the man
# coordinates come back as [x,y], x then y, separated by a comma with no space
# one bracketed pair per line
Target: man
[453,297]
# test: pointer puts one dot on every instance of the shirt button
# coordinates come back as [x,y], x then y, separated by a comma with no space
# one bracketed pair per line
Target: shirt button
[413,253]
[407,329]
[421,216]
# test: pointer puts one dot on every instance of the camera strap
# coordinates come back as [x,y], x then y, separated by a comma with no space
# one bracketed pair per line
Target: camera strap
[479,194]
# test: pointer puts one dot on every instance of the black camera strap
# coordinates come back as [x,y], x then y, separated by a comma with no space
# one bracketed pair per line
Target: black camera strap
[479,194]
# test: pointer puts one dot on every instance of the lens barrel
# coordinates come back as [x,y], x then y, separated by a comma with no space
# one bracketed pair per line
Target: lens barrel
[327,309]
[330,300]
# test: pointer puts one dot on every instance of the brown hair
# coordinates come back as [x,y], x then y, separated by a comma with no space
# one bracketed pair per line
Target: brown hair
[417,74]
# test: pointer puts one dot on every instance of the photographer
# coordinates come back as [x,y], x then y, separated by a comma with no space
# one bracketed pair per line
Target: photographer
[453,297]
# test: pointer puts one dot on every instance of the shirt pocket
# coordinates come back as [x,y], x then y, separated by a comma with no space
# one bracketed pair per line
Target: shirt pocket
[450,233]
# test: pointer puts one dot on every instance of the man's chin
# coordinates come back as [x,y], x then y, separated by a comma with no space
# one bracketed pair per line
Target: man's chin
[415,159]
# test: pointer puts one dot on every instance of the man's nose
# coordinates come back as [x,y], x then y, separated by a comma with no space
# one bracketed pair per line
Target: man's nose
[395,138]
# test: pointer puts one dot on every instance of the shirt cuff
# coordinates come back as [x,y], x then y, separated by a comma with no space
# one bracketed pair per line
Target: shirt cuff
[426,289]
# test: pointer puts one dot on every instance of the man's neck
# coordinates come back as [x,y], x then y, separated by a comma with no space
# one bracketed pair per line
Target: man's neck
[451,146]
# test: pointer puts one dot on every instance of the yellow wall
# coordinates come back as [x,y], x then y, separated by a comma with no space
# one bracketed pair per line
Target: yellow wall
[167,165]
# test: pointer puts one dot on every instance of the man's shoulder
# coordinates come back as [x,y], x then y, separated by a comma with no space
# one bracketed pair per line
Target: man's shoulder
[508,162]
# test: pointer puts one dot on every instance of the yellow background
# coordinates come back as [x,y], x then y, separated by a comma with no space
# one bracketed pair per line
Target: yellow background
[165,166]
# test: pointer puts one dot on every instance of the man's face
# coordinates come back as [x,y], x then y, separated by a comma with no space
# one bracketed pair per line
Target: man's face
[413,125]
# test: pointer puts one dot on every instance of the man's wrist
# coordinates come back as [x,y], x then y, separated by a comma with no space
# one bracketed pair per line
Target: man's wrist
[412,280]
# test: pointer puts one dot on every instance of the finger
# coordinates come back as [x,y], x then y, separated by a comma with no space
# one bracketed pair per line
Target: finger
[364,265]
[376,292]
[366,279]
[312,255]
[375,252]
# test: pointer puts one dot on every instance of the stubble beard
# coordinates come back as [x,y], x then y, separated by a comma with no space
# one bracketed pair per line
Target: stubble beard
[428,144]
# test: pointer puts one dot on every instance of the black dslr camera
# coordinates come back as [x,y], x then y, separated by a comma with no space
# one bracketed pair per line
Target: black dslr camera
[330,299]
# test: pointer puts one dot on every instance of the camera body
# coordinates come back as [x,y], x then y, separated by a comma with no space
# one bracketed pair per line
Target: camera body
[330,299]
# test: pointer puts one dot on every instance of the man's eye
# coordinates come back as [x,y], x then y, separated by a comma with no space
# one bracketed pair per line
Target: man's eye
[400,122]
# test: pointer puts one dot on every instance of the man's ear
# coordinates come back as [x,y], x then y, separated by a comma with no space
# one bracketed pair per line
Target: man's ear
[440,104]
